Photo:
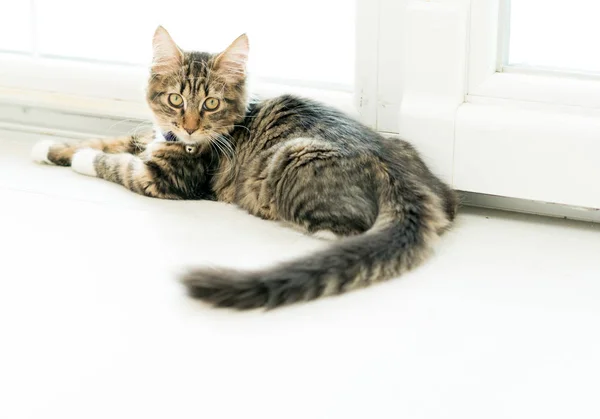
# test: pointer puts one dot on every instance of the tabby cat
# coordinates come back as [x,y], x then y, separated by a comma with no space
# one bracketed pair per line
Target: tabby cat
[287,159]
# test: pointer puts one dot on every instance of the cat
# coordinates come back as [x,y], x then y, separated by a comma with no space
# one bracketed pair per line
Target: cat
[287,159]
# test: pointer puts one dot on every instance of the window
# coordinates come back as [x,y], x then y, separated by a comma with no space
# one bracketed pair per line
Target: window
[283,41]
[104,51]
[15,32]
[557,36]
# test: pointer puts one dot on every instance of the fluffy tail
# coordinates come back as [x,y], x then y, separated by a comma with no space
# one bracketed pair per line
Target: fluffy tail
[386,251]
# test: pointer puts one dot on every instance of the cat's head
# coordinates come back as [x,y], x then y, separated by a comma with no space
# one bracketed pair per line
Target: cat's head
[196,96]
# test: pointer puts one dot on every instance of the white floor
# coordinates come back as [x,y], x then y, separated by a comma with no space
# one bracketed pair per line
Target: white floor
[504,321]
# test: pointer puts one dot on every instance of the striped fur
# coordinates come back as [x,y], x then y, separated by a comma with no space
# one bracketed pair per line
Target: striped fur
[159,169]
[287,159]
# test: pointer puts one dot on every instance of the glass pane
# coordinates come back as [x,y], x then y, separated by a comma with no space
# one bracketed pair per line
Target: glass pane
[289,40]
[15,26]
[561,35]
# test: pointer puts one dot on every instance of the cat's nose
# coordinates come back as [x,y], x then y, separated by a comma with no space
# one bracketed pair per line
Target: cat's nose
[191,130]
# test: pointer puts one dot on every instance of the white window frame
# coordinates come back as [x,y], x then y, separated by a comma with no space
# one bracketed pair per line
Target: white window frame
[489,129]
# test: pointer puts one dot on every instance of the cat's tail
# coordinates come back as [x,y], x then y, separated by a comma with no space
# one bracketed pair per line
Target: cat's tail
[400,239]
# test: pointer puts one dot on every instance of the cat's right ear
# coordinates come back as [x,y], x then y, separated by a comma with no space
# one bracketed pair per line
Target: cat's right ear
[167,57]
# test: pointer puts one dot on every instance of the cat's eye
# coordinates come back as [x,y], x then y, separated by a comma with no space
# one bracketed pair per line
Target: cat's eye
[211,103]
[175,100]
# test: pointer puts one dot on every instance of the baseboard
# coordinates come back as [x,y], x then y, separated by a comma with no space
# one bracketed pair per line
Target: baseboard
[530,207]
[59,122]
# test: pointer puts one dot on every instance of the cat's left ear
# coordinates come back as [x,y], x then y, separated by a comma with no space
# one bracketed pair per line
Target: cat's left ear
[232,62]
[167,57]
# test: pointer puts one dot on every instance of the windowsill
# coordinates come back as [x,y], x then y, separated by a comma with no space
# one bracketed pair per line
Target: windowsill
[540,88]
[113,91]
[82,105]
[98,106]
[79,116]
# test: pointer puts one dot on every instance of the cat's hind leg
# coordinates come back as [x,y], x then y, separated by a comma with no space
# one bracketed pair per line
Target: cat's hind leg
[124,169]
[164,170]
[61,153]
[327,193]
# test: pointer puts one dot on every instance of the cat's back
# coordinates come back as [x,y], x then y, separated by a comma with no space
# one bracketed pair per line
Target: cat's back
[287,117]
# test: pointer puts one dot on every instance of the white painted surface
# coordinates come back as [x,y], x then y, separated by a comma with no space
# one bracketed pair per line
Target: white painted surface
[526,153]
[434,78]
[501,323]
[74,78]
[540,87]
[136,107]
[527,136]
[367,40]
[524,206]
[483,40]
[390,65]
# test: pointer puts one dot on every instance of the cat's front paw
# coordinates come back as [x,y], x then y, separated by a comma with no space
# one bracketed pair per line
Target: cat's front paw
[41,150]
[84,161]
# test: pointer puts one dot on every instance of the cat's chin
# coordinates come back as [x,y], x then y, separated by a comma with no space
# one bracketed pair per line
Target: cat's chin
[195,141]
[171,137]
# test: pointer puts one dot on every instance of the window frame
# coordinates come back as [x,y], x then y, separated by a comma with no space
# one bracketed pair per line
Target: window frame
[490,25]
[489,129]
